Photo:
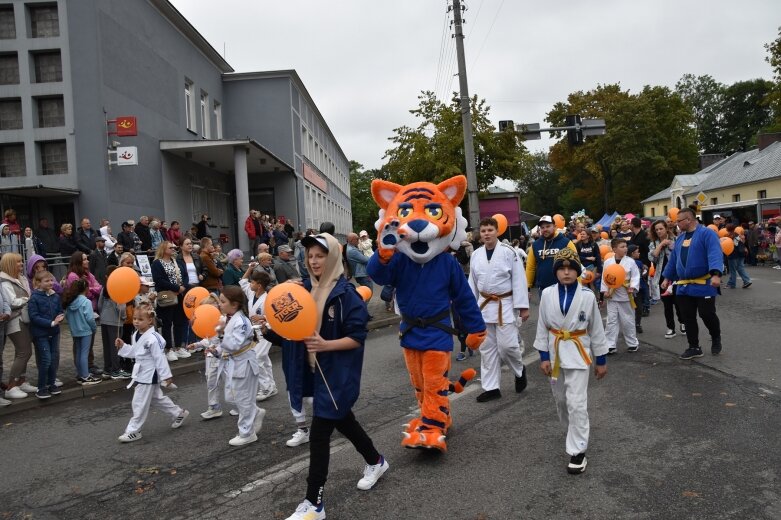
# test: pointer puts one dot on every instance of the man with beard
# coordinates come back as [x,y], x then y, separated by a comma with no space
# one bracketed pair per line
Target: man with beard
[539,264]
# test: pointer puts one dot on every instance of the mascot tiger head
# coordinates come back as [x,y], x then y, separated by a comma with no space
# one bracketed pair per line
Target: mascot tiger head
[421,220]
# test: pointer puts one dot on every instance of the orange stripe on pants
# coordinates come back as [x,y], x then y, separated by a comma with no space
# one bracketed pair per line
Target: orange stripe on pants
[428,375]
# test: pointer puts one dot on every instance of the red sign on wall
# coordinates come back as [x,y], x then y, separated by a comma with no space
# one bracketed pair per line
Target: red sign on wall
[126,125]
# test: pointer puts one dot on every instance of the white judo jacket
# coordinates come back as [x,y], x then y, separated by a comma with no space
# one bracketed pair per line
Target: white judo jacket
[503,273]
[583,314]
[632,274]
[149,352]
[255,307]
[236,362]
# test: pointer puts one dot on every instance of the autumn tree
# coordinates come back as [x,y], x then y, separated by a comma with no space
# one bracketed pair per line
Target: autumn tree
[774,98]
[539,185]
[364,209]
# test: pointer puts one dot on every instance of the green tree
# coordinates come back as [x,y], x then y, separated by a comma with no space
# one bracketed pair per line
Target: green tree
[539,185]
[774,98]
[649,139]
[364,209]
[434,150]
[746,111]
[705,96]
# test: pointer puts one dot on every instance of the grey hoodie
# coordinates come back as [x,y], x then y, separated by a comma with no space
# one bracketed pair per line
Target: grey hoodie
[9,243]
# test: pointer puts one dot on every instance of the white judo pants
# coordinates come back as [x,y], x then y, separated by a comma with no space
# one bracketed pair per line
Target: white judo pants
[241,392]
[143,397]
[300,415]
[500,346]
[266,375]
[212,394]
[620,316]
[570,391]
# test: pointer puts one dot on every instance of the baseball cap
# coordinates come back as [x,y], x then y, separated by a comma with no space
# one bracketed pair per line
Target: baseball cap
[717,216]
[593,229]
[632,248]
[284,249]
[126,223]
[315,240]
[546,219]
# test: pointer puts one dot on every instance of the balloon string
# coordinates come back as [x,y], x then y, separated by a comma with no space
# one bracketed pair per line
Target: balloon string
[326,383]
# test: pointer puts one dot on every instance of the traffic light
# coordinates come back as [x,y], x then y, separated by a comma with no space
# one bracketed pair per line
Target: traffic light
[506,125]
[574,136]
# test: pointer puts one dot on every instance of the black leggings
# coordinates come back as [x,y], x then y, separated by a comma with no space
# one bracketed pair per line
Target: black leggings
[320,450]
[670,311]
[690,306]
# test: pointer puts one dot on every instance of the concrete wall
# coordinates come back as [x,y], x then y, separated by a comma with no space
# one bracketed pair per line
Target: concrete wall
[746,192]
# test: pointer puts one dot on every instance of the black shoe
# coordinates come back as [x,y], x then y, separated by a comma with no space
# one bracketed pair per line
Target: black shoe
[691,353]
[632,349]
[639,329]
[489,395]
[683,328]
[520,382]
[747,285]
[715,348]
[577,464]
[55,390]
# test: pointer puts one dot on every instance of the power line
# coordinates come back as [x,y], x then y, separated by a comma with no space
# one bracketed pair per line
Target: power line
[486,36]
[441,51]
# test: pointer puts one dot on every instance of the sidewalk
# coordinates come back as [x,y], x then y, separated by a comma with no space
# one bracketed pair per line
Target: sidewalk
[67,370]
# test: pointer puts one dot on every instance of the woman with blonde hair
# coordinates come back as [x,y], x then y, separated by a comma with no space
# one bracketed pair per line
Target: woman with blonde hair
[170,286]
[16,291]
[67,240]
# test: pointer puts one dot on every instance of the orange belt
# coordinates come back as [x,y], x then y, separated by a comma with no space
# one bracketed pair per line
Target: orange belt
[568,335]
[494,298]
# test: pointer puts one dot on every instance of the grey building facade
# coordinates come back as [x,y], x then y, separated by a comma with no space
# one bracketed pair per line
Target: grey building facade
[209,140]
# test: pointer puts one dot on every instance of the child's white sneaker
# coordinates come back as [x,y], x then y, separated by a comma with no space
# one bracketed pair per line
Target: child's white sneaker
[234,412]
[259,415]
[129,437]
[211,413]
[372,473]
[306,510]
[298,438]
[182,353]
[241,441]
[180,419]
[171,356]
[265,394]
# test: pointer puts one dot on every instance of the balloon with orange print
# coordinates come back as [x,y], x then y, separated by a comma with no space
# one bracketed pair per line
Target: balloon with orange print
[291,311]
[614,276]
[192,299]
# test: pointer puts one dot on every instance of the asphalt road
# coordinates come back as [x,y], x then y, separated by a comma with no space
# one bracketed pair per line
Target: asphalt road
[669,439]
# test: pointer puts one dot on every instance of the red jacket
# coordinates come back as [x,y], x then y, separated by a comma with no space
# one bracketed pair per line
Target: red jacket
[249,228]
[174,235]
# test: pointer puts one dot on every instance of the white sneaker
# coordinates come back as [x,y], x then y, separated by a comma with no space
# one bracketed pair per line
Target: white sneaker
[27,387]
[241,441]
[372,473]
[212,413]
[298,438]
[259,415]
[670,334]
[265,394]
[171,356]
[57,382]
[184,414]
[15,393]
[306,510]
[182,353]
[4,402]
[129,437]
[234,412]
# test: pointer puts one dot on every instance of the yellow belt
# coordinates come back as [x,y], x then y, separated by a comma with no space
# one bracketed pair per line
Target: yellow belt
[568,335]
[494,298]
[250,346]
[702,280]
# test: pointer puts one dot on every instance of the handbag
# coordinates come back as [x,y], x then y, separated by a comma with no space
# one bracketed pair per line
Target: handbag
[167,299]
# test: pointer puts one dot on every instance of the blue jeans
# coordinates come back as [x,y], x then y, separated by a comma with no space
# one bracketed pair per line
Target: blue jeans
[47,348]
[81,345]
[736,267]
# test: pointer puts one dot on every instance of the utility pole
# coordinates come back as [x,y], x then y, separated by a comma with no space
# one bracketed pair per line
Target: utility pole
[466,119]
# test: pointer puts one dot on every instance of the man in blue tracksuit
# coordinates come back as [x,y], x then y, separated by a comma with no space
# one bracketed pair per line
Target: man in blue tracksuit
[695,267]
[539,263]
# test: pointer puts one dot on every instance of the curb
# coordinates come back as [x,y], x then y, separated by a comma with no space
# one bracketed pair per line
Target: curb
[179,368]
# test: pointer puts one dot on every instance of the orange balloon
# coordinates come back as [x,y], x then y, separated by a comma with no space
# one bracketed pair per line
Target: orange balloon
[587,277]
[727,245]
[365,292]
[291,311]
[652,270]
[123,284]
[192,299]
[610,254]
[206,319]
[723,232]
[604,235]
[714,227]
[673,213]
[501,221]
[739,230]
[558,220]
[614,276]
[604,249]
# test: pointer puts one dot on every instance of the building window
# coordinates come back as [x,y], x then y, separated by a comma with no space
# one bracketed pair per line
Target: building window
[736,197]
[205,122]
[54,158]
[44,21]
[653,212]
[12,160]
[189,105]
[51,112]
[714,201]
[10,114]
[665,211]
[9,69]
[48,66]
[762,194]
[7,23]
[218,119]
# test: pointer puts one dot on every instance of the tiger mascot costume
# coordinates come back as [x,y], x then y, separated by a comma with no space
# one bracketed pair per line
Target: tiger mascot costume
[417,226]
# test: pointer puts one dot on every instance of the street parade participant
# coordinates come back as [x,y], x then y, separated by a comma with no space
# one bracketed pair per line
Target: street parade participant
[569,336]
[336,348]
[498,282]
[151,369]
[418,225]
[539,271]
[255,284]
[620,300]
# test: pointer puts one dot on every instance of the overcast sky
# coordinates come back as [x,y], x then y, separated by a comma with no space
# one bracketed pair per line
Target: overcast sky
[364,62]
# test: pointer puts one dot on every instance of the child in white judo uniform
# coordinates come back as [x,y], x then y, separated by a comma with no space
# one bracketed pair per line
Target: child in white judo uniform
[151,368]
[254,284]
[239,365]
[569,336]
[620,301]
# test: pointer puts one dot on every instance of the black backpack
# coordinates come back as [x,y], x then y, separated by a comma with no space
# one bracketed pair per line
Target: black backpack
[462,256]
